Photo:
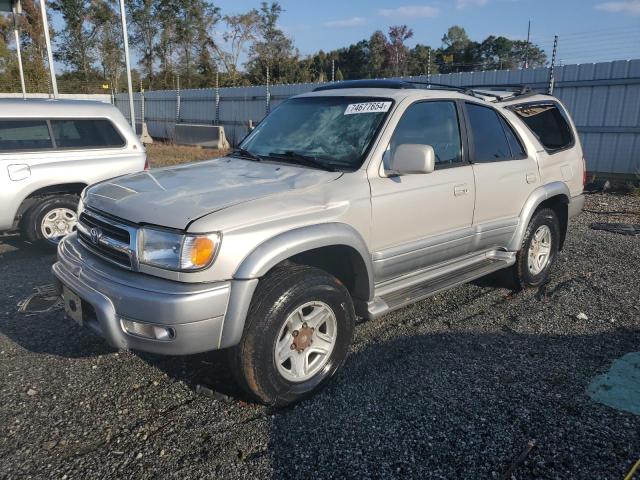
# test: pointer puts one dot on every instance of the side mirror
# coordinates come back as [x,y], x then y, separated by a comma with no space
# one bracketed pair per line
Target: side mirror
[413,158]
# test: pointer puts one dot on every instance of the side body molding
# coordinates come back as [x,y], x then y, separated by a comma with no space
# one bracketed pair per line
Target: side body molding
[538,196]
[273,251]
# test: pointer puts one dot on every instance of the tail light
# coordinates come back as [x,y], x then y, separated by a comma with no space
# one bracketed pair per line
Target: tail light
[146,163]
[584,172]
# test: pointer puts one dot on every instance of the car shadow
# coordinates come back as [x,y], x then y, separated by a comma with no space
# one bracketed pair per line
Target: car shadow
[458,405]
[208,373]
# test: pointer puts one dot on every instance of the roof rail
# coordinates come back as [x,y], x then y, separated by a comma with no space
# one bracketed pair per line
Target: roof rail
[514,90]
[384,83]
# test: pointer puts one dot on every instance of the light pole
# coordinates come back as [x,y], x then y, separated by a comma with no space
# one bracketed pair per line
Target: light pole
[17,10]
[47,40]
[125,39]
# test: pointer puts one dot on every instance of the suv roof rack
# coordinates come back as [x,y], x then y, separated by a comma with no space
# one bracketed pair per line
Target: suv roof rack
[514,90]
[384,83]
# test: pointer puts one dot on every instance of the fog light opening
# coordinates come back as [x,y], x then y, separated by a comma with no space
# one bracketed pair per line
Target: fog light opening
[147,330]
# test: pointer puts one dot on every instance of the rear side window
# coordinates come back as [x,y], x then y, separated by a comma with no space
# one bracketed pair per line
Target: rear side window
[517,150]
[547,123]
[24,135]
[85,134]
[489,140]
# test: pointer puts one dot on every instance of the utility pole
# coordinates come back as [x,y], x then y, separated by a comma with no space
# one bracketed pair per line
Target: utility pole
[553,62]
[47,40]
[17,10]
[526,48]
[127,61]
[333,70]
[429,66]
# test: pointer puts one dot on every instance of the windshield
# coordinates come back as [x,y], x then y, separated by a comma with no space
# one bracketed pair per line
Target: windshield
[331,131]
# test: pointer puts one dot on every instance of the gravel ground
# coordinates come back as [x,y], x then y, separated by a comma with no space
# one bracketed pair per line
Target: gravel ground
[457,386]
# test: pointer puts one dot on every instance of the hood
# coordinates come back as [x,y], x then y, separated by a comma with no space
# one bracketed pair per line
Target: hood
[175,196]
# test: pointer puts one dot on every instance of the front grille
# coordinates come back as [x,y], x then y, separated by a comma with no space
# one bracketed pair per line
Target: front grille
[106,238]
[108,228]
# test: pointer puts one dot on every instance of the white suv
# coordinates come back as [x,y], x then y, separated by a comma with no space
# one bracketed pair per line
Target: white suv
[358,198]
[50,150]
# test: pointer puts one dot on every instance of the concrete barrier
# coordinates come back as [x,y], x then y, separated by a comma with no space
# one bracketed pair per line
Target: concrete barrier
[204,135]
[143,133]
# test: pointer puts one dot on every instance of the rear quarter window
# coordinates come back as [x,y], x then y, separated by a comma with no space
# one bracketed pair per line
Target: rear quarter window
[94,133]
[548,124]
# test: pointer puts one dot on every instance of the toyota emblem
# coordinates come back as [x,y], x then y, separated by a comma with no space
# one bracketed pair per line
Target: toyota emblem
[96,235]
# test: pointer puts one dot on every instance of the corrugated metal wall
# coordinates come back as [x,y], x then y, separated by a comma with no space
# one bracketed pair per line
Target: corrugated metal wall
[603,99]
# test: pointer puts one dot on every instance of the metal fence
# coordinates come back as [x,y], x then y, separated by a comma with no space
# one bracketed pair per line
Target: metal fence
[603,99]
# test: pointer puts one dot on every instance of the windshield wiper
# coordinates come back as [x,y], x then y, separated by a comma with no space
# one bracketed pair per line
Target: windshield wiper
[303,159]
[242,152]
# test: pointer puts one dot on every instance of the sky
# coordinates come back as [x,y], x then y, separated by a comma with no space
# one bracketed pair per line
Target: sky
[588,30]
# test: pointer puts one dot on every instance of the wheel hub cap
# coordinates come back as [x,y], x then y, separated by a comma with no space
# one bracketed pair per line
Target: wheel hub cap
[539,250]
[305,341]
[57,223]
[302,338]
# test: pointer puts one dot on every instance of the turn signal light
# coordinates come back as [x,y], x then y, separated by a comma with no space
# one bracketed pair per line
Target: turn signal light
[202,250]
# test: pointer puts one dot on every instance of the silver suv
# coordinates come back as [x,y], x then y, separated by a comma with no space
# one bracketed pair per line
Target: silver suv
[356,199]
[50,150]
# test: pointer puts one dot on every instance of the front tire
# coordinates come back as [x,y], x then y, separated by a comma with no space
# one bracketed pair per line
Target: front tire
[49,220]
[539,250]
[297,334]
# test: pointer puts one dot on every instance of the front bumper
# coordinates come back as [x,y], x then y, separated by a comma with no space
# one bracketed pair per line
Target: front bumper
[195,312]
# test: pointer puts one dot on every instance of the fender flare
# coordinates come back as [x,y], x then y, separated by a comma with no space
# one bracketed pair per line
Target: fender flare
[287,244]
[538,196]
[273,251]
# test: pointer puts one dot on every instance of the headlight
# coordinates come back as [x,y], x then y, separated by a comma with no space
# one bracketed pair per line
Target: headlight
[177,251]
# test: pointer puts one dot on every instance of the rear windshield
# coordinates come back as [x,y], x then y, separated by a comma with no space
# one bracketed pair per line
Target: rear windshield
[36,134]
[548,123]
[334,131]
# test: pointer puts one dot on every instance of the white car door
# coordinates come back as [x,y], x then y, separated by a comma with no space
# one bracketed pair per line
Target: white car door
[423,219]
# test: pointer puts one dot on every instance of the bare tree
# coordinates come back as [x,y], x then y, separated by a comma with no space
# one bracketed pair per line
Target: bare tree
[398,52]
[242,29]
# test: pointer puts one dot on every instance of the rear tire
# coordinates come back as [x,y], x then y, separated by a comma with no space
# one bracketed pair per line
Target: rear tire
[539,250]
[297,334]
[49,220]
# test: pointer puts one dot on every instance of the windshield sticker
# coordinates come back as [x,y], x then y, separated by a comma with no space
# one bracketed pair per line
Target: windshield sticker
[368,107]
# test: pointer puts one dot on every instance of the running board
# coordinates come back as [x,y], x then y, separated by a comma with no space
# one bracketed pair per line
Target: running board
[407,290]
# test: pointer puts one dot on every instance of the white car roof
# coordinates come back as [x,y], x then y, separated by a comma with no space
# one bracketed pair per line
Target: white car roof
[36,107]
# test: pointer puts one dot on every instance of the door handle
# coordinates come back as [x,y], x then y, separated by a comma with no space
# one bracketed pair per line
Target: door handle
[531,177]
[459,190]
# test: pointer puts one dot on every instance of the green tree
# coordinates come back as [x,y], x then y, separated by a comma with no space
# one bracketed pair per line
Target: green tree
[146,21]
[377,57]
[195,21]
[109,41]
[418,63]
[272,50]
[76,45]
[458,53]
[32,49]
